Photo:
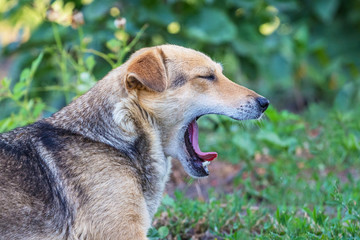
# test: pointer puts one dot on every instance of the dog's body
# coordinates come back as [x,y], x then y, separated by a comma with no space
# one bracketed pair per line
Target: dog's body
[97,168]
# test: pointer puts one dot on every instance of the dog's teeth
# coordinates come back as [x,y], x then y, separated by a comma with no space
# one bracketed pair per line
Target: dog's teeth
[206,169]
[205,166]
[206,163]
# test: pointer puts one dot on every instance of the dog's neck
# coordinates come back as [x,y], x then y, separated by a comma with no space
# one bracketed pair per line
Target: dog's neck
[117,119]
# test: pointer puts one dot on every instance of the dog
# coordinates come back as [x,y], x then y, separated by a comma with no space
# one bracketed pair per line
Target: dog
[97,168]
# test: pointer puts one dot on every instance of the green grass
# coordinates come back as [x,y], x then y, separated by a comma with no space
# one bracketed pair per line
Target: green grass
[309,188]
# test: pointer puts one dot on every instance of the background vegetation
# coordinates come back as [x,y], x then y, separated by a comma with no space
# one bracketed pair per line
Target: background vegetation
[295,173]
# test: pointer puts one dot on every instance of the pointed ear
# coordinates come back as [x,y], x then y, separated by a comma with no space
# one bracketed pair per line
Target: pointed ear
[147,71]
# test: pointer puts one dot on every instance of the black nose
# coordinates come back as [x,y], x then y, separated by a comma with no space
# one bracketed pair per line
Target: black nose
[263,103]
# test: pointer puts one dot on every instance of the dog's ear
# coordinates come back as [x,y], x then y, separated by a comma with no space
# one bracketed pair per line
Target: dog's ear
[147,71]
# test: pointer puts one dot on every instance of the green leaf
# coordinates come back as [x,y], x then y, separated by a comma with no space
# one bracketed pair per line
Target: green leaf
[163,232]
[168,201]
[38,108]
[333,203]
[25,74]
[244,142]
[302,34]
[279,69]
[35,64]
[157,13]
[5,124]
[5,83]
[114,45]
[19,90]
[30,104]
[326,9]
[211,25]
[275,140]
[350,217]
[344,97]
[351,142]
[97,10]
[90,62]
[153,234]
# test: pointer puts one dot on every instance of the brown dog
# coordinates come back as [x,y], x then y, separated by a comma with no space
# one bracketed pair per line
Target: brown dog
[97,168]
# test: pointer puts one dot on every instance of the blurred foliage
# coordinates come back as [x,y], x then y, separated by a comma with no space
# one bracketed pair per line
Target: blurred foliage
[294,52]
[30,109]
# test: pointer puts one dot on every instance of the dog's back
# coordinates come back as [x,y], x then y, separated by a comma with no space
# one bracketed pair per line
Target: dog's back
[32,202]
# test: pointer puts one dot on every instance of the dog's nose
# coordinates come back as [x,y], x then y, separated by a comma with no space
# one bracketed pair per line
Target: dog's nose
[263,103]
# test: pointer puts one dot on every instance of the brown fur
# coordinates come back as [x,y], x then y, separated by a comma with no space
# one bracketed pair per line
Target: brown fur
[97,168]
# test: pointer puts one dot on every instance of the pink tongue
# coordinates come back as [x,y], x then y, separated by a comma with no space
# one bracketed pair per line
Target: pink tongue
[194,139]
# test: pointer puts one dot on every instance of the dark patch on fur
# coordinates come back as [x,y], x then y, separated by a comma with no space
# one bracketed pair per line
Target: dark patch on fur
[23,168]
[50,136]
[179,80]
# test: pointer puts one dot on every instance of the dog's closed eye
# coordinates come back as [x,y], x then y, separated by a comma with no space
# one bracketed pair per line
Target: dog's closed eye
[210,77]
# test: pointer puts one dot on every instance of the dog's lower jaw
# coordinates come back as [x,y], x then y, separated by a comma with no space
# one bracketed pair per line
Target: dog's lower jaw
[187,163]
[178,152]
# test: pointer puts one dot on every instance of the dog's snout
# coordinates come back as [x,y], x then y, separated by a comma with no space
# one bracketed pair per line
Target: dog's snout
[263,103]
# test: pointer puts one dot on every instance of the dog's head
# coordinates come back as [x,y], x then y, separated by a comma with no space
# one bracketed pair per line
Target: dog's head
[176,86]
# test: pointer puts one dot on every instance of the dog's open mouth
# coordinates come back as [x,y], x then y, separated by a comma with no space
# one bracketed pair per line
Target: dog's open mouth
[199,160]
